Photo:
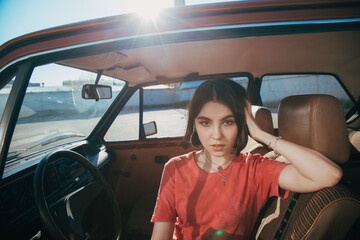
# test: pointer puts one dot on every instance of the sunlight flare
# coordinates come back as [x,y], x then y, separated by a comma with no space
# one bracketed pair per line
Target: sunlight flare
[150,9]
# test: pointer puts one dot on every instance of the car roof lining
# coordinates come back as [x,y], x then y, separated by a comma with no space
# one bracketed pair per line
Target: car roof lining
[286,53]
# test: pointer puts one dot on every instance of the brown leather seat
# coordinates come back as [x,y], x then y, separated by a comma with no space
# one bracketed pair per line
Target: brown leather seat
[317,122]
[263,118]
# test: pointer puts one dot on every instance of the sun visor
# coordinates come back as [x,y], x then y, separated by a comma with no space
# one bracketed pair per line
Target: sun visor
[95,63]
[133,75]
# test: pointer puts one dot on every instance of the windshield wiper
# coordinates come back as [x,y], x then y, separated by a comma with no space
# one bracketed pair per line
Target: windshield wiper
[16,153]
[58,138]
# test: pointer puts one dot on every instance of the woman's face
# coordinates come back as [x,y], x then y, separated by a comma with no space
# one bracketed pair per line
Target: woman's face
[217,129]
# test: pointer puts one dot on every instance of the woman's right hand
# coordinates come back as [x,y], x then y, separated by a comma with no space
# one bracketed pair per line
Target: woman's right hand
[254,129]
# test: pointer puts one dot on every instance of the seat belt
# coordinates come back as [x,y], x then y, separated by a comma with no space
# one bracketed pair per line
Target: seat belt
[284,223]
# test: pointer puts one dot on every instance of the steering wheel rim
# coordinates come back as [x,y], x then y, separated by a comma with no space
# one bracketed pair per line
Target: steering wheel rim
[40,198]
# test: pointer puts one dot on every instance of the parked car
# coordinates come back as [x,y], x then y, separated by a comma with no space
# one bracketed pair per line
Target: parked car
[91,112]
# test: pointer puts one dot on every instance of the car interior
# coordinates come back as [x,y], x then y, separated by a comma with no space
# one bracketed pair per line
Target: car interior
[304,119]
[299,63]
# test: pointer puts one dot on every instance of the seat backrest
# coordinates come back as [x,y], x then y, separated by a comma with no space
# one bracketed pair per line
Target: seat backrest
[317,122]
[263,118]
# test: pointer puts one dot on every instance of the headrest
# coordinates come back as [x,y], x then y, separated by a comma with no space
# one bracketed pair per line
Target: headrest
[263,118]
[315,121]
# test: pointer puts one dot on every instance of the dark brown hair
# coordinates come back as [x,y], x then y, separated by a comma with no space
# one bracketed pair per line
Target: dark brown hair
[227,92]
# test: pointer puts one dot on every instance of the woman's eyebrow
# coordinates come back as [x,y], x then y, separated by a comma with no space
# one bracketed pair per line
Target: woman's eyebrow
[206,118]
[228,116]
[202,118]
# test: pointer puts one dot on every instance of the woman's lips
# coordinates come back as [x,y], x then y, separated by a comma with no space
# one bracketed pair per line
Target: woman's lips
[217,147]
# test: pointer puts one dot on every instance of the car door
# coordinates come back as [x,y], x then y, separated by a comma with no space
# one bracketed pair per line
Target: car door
[139,159]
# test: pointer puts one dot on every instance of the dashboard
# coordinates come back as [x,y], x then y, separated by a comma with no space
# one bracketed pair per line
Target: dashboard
[18,213]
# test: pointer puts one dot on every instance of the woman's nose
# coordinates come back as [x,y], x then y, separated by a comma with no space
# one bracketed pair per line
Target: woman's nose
[216,132]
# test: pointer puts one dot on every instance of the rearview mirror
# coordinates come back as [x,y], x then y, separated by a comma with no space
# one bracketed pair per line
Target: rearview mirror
[150,128]
[91,91]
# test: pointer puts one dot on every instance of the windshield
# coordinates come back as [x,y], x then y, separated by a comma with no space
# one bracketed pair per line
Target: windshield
[53,111]
[32,13]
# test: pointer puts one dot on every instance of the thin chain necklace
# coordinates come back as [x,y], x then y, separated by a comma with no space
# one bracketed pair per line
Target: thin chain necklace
[220,165]
[223,179]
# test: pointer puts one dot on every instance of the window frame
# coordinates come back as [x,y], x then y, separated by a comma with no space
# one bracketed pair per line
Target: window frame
[12,110]
[351,98]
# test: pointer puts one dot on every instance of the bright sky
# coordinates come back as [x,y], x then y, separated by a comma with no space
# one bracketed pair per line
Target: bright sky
[18,17]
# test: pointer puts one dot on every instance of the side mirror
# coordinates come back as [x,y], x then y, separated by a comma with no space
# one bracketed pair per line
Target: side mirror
[150,128]
[92,91]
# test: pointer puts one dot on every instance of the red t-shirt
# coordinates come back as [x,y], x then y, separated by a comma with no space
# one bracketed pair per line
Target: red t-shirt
[204,208]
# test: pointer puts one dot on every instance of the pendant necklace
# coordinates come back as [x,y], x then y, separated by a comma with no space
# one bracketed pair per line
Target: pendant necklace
[219,165]
[223,177]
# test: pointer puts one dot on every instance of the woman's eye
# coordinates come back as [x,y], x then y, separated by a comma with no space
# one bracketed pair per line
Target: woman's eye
[228,122]
[205,123]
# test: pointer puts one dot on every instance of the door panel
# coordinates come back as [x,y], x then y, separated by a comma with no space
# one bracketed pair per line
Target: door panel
[138,167]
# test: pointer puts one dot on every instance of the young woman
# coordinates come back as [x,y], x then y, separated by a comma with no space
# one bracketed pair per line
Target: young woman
[217,192]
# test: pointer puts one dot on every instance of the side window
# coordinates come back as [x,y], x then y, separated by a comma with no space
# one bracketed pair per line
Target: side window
[276,87]
[167,106]
[243,81]
[126,125]
[4,95]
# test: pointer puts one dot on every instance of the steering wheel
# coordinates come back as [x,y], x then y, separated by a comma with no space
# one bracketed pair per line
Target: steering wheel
[76,210]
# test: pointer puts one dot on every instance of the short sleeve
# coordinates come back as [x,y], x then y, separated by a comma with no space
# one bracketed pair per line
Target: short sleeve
[267,175]
[165,204]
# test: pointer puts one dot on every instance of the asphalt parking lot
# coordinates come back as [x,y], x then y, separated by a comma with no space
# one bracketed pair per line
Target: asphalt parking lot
[170,123]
